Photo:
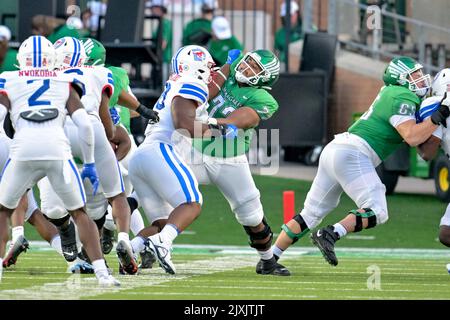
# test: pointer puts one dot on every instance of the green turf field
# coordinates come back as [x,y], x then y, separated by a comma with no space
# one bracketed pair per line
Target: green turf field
[414,219]
[221,272]
[215,274]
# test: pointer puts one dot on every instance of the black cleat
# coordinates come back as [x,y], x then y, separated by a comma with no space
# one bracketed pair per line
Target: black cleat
[271,267]
[325,239]
[21,245]
[147,259]
[127,263]
[259,264]
[69,242]
[107,240]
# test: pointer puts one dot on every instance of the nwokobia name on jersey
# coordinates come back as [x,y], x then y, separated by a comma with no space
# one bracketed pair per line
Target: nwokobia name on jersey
[37,73]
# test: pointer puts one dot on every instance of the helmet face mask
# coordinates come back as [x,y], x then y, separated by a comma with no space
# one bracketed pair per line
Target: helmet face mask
[36,52]
[250,71]
[194,61]
[259,69]
[408,73]
[70,53]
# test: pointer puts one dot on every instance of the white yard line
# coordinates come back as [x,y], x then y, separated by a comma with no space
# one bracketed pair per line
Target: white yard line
[76,287]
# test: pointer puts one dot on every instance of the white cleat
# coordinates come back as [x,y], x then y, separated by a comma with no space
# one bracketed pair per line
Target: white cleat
[161,251]
[108,280]
[448,268]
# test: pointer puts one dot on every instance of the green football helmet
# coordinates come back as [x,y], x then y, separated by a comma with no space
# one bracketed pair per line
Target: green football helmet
[399,73]
[95,51]
[264,78]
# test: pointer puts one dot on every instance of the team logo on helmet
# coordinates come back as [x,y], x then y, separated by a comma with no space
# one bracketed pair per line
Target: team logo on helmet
[198,55]
[59,43]
[88,46]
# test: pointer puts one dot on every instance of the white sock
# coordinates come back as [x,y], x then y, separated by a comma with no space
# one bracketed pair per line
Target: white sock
[266,255]
[169,233]
[123,236]
[56,244]
[340,230]
[16,233]
[1,268]
[100,267]
[137,244]
[136,222]
[277,251]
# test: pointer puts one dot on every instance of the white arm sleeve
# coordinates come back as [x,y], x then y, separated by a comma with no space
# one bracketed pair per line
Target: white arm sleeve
[85,133]
[397,120]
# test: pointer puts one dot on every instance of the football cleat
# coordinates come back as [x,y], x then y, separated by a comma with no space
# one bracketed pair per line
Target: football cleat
[325,239]
[107,240]
[127,262]
[260,262]
[69,242]
[271,267]
[161,251]
[107,280]
[147,259]
[15,249]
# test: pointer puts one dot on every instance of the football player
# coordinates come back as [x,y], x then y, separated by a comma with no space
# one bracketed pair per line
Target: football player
[243,101]
[164,183]
[125,103]
[38,100]
[347,164]
[98,85]
[441,137]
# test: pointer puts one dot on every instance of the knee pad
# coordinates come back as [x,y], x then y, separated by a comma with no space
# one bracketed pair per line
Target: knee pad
[133,203]
[254,236]
[56,213]
[296,236]
[250,213]
[368,214]
[58,222]
[100,222]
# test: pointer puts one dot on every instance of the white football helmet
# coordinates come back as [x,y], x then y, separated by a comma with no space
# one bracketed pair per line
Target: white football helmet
[69,53]
[194,61]
[441,83]
[36,52]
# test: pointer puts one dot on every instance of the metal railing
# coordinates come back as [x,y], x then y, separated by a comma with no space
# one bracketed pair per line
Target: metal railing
[396,34]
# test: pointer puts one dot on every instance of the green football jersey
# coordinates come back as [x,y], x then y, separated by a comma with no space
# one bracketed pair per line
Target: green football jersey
[230,98]
[121,82]
[374,126]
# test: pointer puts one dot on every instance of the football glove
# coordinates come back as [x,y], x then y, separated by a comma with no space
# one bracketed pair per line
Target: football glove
[115,117]
[233,54]
[148,113]
[90,172]
[442,113]
[228,131]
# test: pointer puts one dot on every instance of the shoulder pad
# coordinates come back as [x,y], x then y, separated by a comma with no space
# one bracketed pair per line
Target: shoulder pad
[193,89]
